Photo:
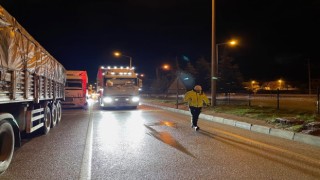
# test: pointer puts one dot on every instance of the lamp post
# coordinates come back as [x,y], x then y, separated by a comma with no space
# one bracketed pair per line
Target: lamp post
[213,57]
[214,64]
[118,54]
[230,43]
[280,84]
[165,67]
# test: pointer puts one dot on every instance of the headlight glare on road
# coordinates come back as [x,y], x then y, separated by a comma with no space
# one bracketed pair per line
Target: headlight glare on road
[107,99]
[135,99]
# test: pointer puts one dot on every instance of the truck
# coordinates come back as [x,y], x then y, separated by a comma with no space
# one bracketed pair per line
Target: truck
[31,87]
[118,87]
[76,89]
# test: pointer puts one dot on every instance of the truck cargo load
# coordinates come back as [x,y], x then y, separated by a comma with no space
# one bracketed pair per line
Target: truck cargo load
[31,87]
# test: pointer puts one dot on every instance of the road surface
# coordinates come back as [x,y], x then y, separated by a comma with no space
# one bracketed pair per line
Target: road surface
[150,143]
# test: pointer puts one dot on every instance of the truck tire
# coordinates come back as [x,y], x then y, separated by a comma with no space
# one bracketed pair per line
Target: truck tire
[6,145]
[54,115]
[59,112]
[47,120]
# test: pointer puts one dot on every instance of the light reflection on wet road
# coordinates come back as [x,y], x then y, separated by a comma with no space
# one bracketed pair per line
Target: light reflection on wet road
[152,144]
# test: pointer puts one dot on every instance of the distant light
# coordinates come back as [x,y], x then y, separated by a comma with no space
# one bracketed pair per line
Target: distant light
[185,58]
[166,67]
[117,54]
[233,42]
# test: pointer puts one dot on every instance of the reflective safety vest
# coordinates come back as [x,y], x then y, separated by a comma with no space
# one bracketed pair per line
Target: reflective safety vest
[196,99]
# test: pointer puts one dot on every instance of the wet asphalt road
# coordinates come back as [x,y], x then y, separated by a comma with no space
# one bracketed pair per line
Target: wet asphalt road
[149,143]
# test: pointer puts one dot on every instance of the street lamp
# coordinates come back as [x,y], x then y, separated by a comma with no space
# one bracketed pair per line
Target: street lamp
[280,83]
[230,43]
[215,55]
[165,67]
[118,54]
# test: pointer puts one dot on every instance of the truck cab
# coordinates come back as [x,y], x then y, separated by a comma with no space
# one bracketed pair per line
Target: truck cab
[76,90]
[118,87]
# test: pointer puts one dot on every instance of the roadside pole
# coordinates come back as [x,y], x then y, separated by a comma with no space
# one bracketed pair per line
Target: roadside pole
[318,105]
[278,99]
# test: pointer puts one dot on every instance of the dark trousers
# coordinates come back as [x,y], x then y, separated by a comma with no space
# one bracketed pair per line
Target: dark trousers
[195,112]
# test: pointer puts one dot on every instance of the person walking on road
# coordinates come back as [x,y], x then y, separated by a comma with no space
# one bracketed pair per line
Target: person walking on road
[196,99]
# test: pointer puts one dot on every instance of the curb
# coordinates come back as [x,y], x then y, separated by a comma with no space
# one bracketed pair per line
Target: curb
[299,137]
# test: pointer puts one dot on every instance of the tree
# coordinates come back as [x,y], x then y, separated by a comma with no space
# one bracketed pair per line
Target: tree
[203,68]
[229,76]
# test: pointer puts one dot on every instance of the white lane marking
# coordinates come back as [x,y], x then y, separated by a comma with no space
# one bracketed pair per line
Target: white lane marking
[85,173]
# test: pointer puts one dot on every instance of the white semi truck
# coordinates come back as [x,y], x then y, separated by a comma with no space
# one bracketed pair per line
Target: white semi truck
[76,89]
[118,87]
[31,87]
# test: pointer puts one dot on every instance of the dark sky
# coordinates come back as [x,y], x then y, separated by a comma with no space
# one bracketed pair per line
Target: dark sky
[276,37]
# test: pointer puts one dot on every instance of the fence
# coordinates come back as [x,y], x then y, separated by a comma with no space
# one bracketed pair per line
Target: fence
[292,102]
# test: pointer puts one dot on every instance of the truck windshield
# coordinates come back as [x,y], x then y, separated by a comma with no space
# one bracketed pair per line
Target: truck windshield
[74,84]
[120,82]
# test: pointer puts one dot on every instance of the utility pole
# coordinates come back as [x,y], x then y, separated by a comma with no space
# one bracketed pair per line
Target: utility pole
[309,76]
[213,57]
[177,82]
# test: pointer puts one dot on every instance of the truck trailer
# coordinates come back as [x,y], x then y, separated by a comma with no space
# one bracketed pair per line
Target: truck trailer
[76,89]
[118,87]
[31,87]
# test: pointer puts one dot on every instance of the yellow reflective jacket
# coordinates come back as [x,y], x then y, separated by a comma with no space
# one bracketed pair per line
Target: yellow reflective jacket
[196,99]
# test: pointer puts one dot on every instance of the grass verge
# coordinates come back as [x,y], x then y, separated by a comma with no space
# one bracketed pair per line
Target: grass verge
[266,114]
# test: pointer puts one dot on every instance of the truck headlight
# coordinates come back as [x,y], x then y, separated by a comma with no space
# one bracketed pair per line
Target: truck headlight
[135,99]
[107,99]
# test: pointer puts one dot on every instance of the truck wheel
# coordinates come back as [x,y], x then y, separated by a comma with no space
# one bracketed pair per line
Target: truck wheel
[54,115]
[6,145]
[59,112]
[47,120]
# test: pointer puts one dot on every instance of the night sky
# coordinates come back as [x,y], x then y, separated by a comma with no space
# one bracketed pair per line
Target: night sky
[276,37]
